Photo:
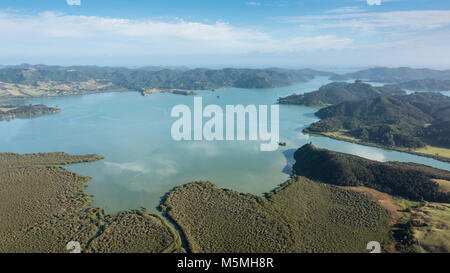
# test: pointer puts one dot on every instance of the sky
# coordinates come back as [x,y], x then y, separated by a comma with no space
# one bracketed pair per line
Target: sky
[213,33]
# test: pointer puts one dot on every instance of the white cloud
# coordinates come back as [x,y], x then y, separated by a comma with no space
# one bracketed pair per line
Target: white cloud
[366,152]
[73,2]
[252,3]
[413,20]
[50,31]
[346,10]
[160,167]
[348,35]
[128,166]
[373,2]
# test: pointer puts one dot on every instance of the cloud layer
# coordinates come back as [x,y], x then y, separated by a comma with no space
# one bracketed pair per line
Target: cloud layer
[118,35]
[333,36]
[373,2]
[73,2]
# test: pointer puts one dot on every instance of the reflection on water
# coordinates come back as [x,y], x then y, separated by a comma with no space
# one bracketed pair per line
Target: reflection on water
[142,162]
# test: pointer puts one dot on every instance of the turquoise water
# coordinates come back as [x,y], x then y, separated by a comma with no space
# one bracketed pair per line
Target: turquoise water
[142,162]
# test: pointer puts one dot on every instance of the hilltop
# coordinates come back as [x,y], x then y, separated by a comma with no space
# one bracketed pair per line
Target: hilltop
[408,180]
[337,92]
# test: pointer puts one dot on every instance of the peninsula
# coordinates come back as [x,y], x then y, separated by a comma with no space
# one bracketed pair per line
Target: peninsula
[8,112]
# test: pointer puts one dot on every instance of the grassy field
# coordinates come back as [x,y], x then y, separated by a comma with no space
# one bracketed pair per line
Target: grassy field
[299,216]
[50,88]
[444,185]
[431,225]
[431,150]
[44,206]
[340,135]
[427,224]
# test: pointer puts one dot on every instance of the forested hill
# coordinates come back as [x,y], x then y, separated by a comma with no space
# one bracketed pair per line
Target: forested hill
[392,121]
[395,75]
[408,180]
[338,92]
[424,85]
[144,78]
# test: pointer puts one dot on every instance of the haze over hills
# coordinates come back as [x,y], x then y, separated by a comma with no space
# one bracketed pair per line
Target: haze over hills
[395,75]
[424,85]
[337,92]
[154,77]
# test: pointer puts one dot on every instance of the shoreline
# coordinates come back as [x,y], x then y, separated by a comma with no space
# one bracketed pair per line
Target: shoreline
[439,158]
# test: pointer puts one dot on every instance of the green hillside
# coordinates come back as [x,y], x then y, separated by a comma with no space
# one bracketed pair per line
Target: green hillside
[409,121]
[408,180]
[338,92]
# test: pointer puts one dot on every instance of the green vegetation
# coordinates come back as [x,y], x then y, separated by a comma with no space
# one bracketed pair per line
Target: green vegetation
[410,121]
[430,228]
[134,232]
[13,160]
[423,227]
[44,207]
[406,206]
[409,180]
[337,92]
[299,216]
[25,111]
[395,75]
[434,151]
[41,80]
[173,91]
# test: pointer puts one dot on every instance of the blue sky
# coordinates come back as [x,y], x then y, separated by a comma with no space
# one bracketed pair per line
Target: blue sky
[212,33]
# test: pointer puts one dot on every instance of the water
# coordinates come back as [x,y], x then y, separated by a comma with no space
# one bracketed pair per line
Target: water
[142,162]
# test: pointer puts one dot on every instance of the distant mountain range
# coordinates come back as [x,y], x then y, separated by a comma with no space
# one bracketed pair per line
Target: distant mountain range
[394,75]
[424,85]
[156,77]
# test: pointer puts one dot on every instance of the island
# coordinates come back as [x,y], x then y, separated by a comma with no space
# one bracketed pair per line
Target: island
[172,91]
[8,112]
